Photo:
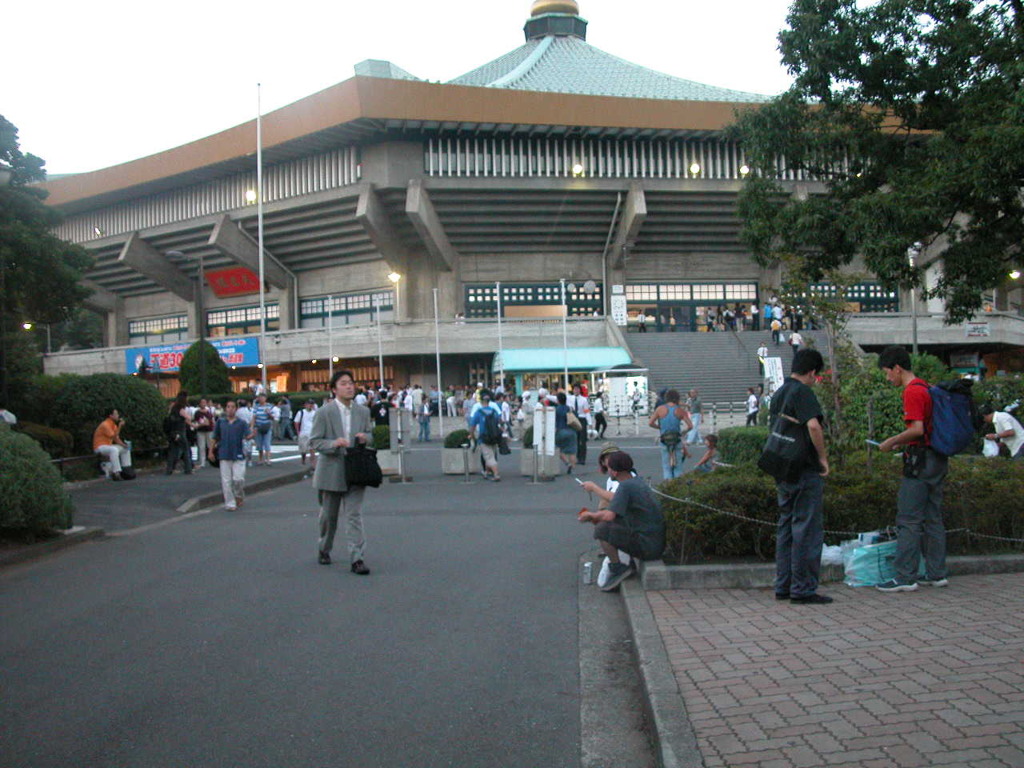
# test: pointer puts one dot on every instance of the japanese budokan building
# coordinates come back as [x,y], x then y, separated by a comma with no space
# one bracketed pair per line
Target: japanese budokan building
[557,174]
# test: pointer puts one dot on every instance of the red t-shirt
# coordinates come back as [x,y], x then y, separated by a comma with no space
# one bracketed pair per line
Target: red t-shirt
[917,406]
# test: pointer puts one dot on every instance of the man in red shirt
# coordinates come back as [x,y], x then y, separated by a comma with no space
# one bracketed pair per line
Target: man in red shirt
[919,503]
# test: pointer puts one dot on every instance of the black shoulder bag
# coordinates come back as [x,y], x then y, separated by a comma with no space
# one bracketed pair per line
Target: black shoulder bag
[361,467]
[785,451]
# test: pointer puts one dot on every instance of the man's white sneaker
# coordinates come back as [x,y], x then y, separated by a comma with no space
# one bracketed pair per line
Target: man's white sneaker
[894,586]
[933,582]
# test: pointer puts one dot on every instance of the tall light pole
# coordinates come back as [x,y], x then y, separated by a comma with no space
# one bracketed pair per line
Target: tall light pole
[6,174]
[30,326]
[565,336]
[380,344]
[912,253]
[330,337]
[395,278]
[437,352]
[501,344]
[197,298]
[259,235]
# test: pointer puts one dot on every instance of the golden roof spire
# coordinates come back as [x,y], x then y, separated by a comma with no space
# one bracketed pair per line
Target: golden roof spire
[541,7]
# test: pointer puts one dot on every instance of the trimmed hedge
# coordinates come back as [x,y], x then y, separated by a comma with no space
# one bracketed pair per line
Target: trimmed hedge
[38,406]
[741,445]
[35,502]
[189,373]
[982,495]
[83,403]
[382,437]
[457,438]
[58,443]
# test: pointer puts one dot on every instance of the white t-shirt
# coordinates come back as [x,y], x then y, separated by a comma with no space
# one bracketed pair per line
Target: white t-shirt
[304,421]
[796,339]
[1002,422]
[752,406]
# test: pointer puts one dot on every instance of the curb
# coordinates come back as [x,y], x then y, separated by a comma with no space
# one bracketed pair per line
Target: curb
[658,576]
[197,503]
[67,539]
[675,744]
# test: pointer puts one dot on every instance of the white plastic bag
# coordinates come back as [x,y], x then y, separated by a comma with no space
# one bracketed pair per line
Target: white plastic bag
[831,555]
[990,449]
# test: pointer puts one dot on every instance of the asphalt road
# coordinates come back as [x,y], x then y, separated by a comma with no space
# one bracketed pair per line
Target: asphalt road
[218,640]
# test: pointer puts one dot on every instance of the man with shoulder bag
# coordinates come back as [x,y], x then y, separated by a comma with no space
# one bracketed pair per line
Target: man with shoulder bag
[339,425]
[795,456]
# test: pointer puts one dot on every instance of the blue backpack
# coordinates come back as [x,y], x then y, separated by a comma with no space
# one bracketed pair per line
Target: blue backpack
[955,418]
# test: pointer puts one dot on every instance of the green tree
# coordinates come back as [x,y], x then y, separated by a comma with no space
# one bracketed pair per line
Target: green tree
[191,373]
[39,272]
[911,114]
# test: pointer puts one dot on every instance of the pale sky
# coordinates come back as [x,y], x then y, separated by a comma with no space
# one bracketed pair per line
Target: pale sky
[91,85]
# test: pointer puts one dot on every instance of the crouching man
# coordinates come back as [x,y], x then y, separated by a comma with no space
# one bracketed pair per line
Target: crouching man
[632,522]
[107,443]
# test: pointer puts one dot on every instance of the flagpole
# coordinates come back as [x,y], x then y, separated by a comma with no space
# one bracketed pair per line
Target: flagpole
[501,346]
[437,352]
[330,337]
[259,231]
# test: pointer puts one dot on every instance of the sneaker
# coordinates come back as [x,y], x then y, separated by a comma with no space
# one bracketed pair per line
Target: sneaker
[930,582]
[617,573]
[812,599]
[230,509]
[894,586]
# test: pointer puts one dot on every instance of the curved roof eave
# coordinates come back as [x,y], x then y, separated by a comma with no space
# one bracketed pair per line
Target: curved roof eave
[369,98]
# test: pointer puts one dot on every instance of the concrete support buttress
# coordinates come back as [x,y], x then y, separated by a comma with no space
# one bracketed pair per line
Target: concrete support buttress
[229,239]
[634,214]
[148,261]
[427,224]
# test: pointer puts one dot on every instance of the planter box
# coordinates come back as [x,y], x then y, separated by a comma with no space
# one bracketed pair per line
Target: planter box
[388,461]
[452,461]
[550,465]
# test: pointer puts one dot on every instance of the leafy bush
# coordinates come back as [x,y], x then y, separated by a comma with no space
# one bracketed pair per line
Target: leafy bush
[190,373]
[456,438]
[1000,391]
[35,501]
[980,494]
[382,437]
[83,403]
[56,442]
[37,407]
[741,445]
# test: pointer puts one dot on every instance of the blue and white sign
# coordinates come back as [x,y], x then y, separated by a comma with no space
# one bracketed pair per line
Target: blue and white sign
[234,351]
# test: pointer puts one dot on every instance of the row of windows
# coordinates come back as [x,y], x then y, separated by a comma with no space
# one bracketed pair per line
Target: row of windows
[155,326]
[691,292]
[340,305]
[581,299]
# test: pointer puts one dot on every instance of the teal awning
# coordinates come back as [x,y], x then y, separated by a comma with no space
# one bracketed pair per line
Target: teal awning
[545,359]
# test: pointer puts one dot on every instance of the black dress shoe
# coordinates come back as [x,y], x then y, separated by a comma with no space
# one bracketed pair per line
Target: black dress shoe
[324,558]
[360,567]
[812,599]
[782,595]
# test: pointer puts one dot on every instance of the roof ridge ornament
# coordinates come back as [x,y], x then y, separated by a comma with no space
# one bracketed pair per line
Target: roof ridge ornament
[558,18]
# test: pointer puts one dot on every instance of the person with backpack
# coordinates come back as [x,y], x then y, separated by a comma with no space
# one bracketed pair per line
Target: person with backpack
[264,415]
[303,423]
[177,424]
[919,503]
[669,419]
[485,424]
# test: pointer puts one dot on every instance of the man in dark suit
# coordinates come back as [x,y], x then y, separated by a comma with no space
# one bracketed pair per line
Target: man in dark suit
[338,425]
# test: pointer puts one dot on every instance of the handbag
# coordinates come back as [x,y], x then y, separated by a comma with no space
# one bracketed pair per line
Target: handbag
[361,467]
[503,448]
[573,422]
[785,451]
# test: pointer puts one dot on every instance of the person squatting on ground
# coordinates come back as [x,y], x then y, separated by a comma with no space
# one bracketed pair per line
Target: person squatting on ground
[485,426]
[633,521]
[669,419]
[177,424]
[707,461]
[227,445]
[1008,430]
[605,495]
[800,532]
[919,527]
[337,426]
[107,443]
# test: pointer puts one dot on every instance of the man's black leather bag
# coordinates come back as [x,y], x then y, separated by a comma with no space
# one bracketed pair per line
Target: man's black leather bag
[785,451]
[361,467]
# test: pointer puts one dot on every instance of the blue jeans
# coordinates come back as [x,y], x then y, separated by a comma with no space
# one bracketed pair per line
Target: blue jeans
[667,470]
[800,535]
[693,436]
[424,430]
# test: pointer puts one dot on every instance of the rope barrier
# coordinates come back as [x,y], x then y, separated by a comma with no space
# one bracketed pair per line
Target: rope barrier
[758,521]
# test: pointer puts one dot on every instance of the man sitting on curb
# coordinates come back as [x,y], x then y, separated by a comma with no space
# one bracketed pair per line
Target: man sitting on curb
[107,442]
[633,521]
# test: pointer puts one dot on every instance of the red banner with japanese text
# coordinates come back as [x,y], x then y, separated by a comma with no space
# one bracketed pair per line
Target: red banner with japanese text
[234,281]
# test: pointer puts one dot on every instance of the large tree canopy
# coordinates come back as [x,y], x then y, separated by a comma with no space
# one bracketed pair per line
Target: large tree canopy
[911,112]
[39,272]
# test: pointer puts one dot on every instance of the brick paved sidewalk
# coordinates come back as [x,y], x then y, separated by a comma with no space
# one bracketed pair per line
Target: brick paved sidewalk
[929,678]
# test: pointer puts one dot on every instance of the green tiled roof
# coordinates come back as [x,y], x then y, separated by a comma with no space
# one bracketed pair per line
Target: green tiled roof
[571,65]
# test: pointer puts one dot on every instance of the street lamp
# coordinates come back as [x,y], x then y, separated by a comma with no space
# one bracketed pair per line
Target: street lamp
[394,277]
[565,337]
[28,326]
[912,253]
[197,297]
